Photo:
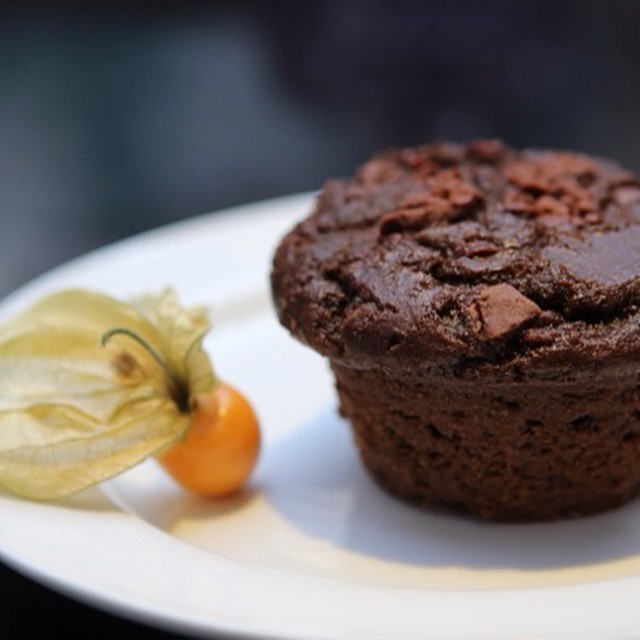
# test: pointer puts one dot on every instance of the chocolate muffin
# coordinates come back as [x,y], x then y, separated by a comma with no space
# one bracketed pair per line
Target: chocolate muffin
[479,307]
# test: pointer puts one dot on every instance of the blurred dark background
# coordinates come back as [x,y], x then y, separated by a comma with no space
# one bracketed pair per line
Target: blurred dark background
[121,116]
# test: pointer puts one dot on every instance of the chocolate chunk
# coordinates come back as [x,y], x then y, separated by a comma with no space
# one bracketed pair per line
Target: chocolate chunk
[481,248]
[377,171]
[501,309]
[447,196]
[627,194]
[414,219]
[561,185]
[519,202]
[548,205]
[486,150]
[444,154]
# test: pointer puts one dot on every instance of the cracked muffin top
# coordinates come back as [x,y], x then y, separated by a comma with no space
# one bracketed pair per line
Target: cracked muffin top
[467,256]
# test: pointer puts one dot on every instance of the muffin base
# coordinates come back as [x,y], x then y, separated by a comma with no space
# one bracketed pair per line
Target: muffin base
[503,450]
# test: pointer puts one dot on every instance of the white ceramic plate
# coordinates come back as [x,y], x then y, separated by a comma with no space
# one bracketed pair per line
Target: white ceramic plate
[313,549]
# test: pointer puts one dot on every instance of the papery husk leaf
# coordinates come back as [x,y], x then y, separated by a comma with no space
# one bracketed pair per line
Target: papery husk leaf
[67,451]
[74,412]
[181,331]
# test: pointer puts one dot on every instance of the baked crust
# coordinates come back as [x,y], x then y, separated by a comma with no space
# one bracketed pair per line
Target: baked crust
[468,257]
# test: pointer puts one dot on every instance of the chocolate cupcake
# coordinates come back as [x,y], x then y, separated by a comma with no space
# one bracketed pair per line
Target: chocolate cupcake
[479,307]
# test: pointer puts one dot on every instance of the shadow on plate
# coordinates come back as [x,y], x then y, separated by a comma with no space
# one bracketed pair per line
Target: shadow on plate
[316,481]
[151,494]
[91,500]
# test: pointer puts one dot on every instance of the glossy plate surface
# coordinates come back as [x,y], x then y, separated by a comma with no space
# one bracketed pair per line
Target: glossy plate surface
[312,549]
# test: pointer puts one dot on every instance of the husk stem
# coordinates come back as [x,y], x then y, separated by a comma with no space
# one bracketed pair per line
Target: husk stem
[177,388]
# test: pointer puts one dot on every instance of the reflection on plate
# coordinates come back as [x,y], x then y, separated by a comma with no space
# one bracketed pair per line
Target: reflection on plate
[312,549]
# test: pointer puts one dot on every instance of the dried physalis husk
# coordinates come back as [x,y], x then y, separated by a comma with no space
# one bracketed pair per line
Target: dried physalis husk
[91,386]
